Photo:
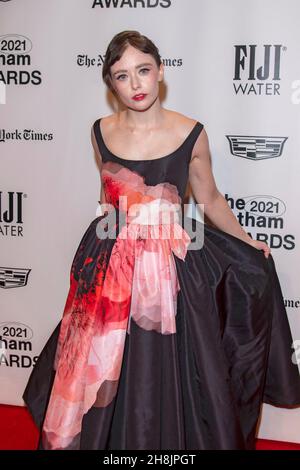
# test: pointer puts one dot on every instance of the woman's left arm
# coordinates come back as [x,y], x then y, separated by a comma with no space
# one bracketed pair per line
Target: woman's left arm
[206,192]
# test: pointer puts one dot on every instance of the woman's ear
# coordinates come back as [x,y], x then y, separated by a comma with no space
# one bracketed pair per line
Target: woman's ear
[161,72]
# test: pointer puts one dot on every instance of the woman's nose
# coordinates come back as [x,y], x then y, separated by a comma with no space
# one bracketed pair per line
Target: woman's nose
[135,82]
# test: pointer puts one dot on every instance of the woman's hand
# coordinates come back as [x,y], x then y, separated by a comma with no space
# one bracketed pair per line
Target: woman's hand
[259,245]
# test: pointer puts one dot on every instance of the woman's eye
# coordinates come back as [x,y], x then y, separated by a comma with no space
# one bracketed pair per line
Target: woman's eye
[124,75]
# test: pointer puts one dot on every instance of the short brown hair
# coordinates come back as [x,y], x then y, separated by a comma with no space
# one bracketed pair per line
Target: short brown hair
[117,46]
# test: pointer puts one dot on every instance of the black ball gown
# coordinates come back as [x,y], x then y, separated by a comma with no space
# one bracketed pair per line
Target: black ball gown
[161,346]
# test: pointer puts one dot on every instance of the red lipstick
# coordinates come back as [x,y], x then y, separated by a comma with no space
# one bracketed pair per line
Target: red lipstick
[139,97]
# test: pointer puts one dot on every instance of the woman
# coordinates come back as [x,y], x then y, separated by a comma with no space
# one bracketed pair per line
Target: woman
[174,332]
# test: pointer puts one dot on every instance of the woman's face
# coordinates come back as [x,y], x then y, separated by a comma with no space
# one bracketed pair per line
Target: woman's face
[136,73]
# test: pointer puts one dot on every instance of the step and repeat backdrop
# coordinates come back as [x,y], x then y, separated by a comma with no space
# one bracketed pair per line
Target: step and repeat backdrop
[233,65]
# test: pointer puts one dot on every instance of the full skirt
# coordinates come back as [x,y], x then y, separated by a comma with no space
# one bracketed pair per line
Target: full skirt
[201,387]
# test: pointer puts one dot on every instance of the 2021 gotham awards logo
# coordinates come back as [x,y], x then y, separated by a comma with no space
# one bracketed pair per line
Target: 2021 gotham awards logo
[131,3]
[16,345]
[263,218]
[16,69]
[16,61]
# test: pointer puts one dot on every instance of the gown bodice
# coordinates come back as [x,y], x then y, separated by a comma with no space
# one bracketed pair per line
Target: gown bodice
[172,168]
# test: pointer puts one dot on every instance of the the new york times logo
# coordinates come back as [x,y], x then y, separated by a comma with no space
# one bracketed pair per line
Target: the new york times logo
[257,68]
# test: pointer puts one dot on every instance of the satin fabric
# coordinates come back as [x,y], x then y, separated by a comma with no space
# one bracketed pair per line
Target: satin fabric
[200,387]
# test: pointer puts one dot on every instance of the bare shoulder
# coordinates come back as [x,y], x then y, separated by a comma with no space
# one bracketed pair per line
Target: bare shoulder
[109,122]
[185,124]
[180,122]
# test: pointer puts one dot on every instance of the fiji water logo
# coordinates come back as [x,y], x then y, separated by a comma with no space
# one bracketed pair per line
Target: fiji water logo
[11,213]
[257,69]
[256,147]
